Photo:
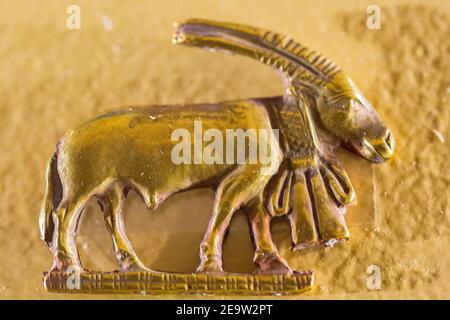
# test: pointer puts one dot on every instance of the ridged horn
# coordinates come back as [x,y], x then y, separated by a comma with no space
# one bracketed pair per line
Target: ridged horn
[294,60]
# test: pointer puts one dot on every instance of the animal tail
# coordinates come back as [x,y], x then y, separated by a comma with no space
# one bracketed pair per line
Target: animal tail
[52,198]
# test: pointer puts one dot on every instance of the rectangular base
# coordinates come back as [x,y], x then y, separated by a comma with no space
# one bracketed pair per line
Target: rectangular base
[177,283]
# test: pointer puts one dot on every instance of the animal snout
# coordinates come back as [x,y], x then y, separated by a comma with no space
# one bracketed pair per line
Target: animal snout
[386,148]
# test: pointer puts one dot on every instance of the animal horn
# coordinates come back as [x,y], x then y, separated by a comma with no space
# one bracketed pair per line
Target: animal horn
[294,60]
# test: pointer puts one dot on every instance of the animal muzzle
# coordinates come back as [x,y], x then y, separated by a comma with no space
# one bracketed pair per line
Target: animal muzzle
[375,150]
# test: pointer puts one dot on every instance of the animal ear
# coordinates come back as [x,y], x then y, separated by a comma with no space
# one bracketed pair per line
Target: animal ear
[296,62]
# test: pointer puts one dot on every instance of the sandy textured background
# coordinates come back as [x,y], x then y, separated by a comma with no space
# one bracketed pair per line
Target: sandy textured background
[54,78]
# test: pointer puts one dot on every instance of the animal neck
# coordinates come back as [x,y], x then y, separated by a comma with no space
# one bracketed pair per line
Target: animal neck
[297,129]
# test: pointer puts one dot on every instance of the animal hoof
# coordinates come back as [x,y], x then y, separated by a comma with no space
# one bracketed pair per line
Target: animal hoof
[137,266]
[129,262]
[210,265]
[63,263]
[273,263]
[69,268]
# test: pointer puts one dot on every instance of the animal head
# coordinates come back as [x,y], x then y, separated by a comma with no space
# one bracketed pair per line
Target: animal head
[344,111]
[347,114]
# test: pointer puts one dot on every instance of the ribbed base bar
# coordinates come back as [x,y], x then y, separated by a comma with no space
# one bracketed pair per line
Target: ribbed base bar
[175,283]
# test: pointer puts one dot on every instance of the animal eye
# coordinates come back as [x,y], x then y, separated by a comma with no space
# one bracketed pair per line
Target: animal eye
[346,105]
[355,103]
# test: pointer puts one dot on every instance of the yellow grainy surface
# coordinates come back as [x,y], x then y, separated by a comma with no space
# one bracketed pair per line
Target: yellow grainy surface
[54,78]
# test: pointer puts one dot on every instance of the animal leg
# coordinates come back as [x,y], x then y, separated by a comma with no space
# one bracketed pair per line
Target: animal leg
[266,254]
[113,202]
[65,253]
[237,188]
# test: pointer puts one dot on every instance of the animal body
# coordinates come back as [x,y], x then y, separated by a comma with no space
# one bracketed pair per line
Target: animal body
[131,149]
